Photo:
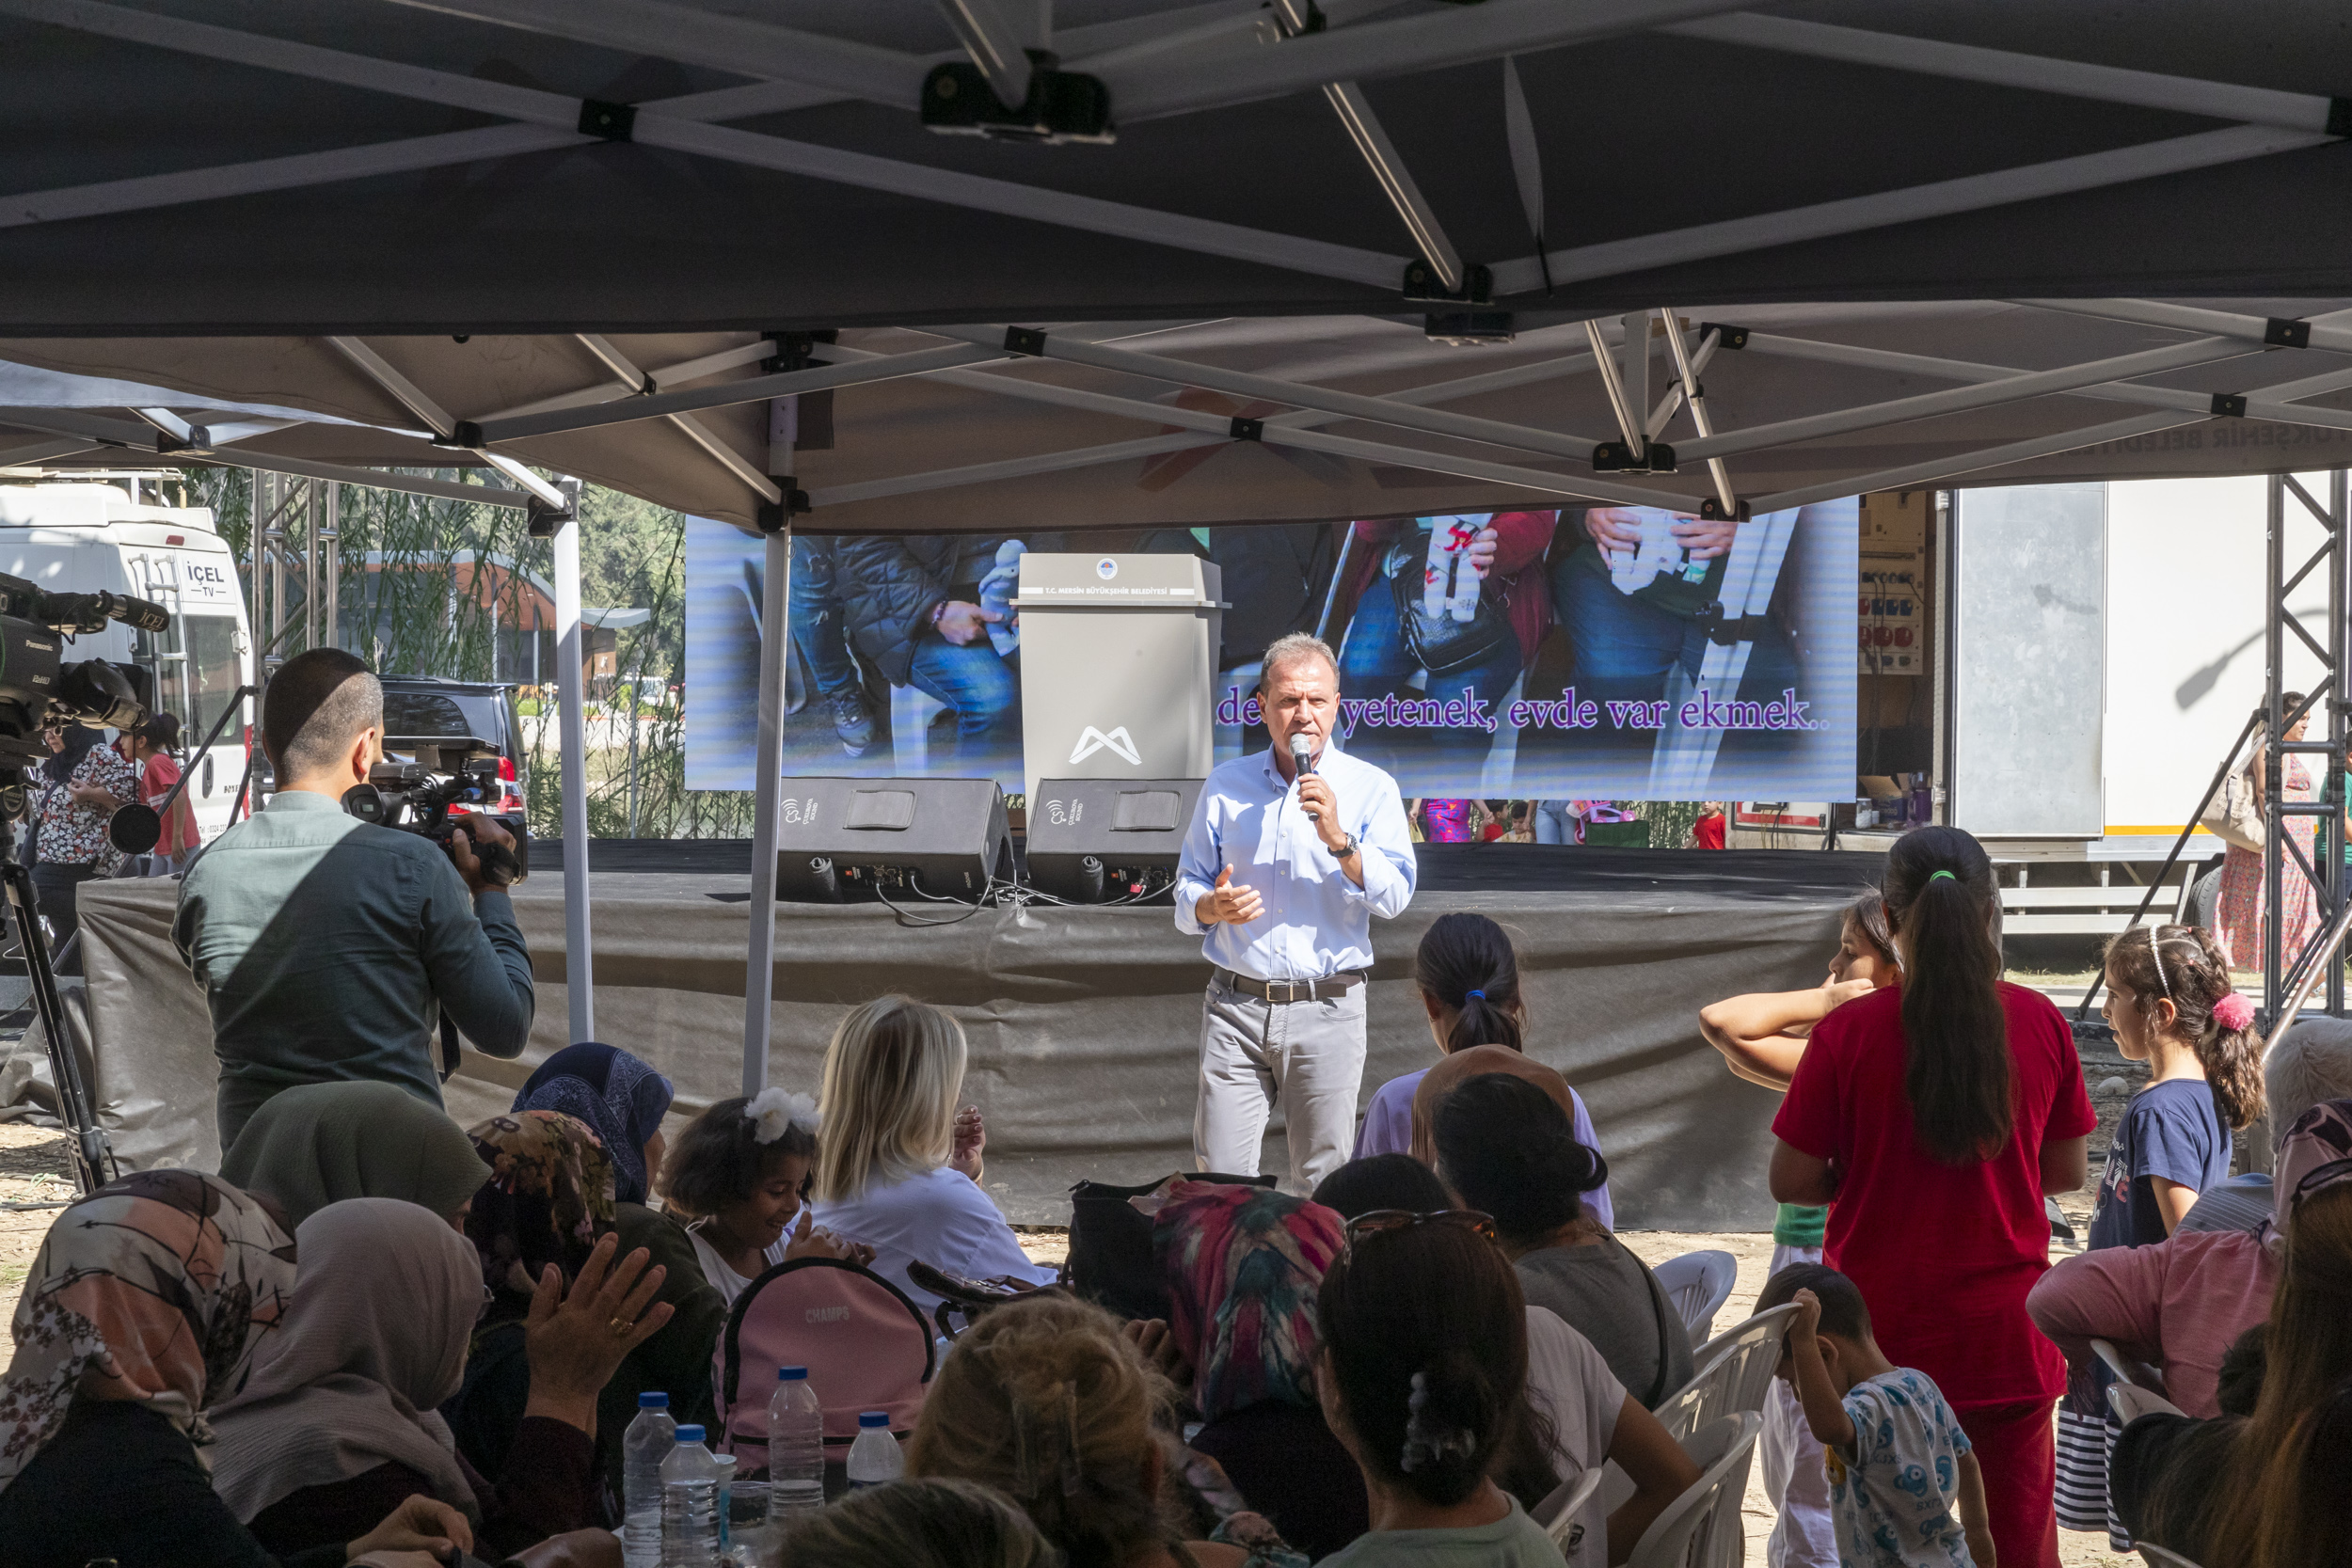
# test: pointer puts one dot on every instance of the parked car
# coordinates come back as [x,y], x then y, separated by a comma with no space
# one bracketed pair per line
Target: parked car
[443,724]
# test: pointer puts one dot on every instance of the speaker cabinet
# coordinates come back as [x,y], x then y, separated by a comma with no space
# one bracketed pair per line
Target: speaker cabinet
[1097,840]
[854,840]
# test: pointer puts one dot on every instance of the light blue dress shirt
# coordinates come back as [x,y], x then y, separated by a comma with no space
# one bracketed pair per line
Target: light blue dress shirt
[1316,922]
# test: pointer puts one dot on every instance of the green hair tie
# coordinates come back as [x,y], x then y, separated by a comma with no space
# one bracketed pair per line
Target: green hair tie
[1945,875]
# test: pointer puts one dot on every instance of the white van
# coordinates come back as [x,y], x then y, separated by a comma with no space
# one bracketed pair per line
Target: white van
[82,537]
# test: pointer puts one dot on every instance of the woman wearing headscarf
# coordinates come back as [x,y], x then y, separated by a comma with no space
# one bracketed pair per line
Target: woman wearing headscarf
[317,1144]
[544,1221]
[1241,1265]
[145,1306]
[622,1099]
[338,1422]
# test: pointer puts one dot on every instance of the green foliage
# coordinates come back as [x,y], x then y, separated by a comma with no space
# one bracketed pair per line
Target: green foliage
[1671,823]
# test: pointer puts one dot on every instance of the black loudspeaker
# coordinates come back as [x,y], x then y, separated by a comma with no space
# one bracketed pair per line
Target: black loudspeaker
[1098,841]
[845,840]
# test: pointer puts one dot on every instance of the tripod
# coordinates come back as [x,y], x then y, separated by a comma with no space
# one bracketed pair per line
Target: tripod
[93,1160]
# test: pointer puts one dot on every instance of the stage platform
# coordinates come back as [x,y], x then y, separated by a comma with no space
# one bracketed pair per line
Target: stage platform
[1085,1023]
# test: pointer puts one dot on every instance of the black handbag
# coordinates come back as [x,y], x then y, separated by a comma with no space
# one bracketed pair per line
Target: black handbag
[1110,1245]
[1440,643]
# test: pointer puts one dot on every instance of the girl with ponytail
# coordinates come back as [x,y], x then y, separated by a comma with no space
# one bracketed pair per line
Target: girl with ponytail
[1468,976]
[1932,1118]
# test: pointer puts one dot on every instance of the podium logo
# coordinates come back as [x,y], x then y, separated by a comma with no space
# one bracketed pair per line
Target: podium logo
[1093,740]
[1106,568]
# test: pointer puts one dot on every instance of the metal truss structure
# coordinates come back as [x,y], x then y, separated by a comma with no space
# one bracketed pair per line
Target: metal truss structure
[295,568]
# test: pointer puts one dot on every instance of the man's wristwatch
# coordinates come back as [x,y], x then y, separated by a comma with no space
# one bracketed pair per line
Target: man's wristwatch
[1347,849]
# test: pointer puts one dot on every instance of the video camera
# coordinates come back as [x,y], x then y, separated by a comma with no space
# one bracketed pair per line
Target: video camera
[37,688]
[404,794]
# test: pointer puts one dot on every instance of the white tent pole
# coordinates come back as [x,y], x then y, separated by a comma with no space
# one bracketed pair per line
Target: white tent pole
[625,372]
[571,696]
[1882,209]
[2193,318]
[2188,95]
[988,36]
[1687,376]
[42,451]
[2197,351]
[1935,470]
[666,379]
[776,642]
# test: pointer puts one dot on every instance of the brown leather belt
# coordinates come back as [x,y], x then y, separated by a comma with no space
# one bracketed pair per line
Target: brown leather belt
[1290,990]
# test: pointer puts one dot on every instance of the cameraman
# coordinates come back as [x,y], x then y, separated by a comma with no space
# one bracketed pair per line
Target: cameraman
[327,947]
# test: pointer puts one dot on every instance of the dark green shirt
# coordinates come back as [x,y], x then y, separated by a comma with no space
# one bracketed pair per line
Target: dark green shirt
[328,948]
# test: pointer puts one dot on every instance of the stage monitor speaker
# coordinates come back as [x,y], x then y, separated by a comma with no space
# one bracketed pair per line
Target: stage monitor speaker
[850,839]
[1104,841]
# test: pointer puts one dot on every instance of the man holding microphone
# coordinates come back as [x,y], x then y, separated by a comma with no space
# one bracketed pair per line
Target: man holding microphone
[1290,855]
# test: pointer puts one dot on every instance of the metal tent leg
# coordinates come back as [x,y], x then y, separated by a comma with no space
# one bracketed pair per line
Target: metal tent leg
[579,983]
[775,641]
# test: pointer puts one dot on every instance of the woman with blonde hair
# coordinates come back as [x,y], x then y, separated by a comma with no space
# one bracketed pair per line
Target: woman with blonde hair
[1050,1404]
[919,1524]
[897,1167]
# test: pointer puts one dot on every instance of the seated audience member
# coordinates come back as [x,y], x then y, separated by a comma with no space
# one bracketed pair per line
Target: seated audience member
[1241,1265]
[1506,1147]
[919,1524]
[742,1166]
[1050,1404]
[543,1222]
[623,1100]
[1470,987]
[1593,1420]
[1762,1038]
[2263,1491]
[317,1144]
[1906,1491]
[2313,1062]
[337,1424]
[2181,1303]
[897,1167]
[149,1300]
[1422,1375]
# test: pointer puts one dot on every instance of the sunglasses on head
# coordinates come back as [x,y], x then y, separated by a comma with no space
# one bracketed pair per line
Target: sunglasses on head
[1379,1221]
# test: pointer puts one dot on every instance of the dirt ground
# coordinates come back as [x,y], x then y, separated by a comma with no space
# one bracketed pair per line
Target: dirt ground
[33,1170]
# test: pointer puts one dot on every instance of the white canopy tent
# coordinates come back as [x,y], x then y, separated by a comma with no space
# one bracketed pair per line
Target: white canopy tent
[714,259]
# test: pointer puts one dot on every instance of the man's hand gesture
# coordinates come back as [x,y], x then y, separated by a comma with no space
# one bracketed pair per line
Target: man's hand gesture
[1228,904]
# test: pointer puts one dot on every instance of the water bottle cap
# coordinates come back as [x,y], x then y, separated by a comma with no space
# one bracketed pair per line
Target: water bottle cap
[690,1434]
[653,1401]
[866,1419]
[791,1375]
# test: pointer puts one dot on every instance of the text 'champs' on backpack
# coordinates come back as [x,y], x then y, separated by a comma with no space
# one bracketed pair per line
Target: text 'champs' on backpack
[866,1345]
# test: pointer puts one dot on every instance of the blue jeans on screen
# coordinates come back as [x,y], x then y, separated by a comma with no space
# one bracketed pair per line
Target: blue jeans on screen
[1374,661]
[973,680]
[816,612]
[1624,647]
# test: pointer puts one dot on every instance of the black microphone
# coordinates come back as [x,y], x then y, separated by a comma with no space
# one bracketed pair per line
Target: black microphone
[1303,763]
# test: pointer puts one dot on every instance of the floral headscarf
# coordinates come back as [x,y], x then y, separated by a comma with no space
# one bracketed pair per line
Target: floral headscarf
[165,1282]
[614,1092]
[550,1196]
[1241,1265]
[2315,1154]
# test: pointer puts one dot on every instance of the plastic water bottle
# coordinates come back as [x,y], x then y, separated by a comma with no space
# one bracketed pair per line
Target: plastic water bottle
[690,1504]
[796,1447]
[874,1458]
[996,591]
[643,1447]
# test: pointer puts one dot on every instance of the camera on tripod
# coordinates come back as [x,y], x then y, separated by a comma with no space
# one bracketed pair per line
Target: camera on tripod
[38,687]
[406,794]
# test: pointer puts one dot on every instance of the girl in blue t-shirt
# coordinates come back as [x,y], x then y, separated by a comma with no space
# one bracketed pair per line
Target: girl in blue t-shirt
[2171,1005]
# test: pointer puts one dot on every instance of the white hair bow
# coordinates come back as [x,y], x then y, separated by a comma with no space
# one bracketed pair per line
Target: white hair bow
[774,1111]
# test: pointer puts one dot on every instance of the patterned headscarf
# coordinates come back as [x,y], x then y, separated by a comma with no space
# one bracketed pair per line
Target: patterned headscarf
[1241,1265]
[549,1198]
[614,1092]
[2315,1154]
[163,1282]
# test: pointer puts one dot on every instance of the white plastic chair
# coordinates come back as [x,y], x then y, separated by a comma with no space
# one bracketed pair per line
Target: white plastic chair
[1698,1283]
[2137,1374]
[1735,1374]
[2131,1402]
[1701,1528]
[2158,1557]
[1557,1512]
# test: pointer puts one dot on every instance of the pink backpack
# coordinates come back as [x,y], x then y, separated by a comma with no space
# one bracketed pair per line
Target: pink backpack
[866,1345]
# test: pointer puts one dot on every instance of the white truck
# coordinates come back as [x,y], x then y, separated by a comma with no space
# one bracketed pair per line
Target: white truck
[82,536]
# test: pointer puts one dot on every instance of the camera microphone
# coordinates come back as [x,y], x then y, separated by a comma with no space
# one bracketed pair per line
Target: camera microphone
[1303,763]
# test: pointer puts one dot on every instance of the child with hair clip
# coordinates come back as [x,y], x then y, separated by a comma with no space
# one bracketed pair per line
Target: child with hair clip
[2171,1006]
[743,1169]
[1905,1488]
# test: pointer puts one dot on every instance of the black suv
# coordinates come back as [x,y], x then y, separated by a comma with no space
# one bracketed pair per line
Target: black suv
[455,721]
